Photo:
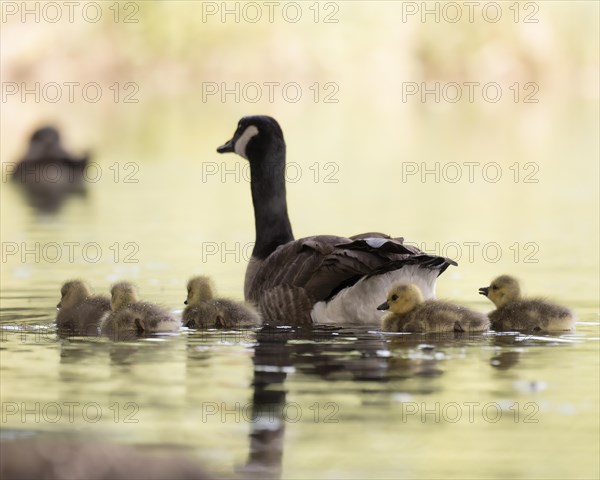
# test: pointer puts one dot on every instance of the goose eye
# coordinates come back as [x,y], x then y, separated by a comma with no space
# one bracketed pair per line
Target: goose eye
[494,287]
[394,297]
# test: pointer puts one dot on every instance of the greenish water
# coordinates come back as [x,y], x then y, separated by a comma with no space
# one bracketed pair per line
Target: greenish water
[163,206]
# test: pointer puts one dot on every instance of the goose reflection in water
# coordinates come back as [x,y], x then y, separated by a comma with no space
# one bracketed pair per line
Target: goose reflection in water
[321,351]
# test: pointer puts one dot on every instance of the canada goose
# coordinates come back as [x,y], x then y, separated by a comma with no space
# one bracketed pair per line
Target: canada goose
[409,312]
[129,314]
[205,311]
[79,312]
[326,278]
[46,161]
[514,313]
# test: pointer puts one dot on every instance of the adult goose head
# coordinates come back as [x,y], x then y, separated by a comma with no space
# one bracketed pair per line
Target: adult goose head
[324,278]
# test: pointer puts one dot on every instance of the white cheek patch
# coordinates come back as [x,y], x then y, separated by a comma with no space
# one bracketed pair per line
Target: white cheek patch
[242,142]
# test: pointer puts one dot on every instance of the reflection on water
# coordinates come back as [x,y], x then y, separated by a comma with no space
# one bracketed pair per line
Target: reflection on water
[260,402]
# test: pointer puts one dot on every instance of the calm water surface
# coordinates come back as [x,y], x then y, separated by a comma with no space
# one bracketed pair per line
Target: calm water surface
[349,403]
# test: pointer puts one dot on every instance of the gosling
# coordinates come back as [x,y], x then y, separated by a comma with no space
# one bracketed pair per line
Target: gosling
[517,314]
[205,311]
[410,313]
[80,312]
[129,314]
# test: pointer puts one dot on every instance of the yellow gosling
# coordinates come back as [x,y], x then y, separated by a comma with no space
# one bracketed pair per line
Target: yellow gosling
[409,312]
[79,311]
[129,314]
[205,311]
[518,314]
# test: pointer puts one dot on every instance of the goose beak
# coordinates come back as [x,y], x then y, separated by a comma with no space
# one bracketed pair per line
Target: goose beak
[484,291]
[383,306]
[226,147]
[58,305]
[185,302]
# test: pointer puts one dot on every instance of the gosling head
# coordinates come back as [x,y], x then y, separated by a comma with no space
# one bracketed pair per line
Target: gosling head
[199,289]
[73,293]
[402,298]
[502,290]
[254,137]
[122,293]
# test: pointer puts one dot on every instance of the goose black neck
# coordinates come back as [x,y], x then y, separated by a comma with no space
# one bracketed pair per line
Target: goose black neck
[267,178]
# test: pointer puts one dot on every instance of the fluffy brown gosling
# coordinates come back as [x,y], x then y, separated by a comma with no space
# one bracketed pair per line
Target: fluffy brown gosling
[79,311]
[129,314]
[516,313]
[409,312]
[205,311]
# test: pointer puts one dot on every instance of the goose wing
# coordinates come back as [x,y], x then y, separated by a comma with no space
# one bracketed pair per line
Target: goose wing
[323,265]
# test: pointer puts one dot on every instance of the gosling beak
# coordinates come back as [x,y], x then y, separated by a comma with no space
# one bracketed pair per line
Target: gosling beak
[185,302]
[58,305]
[484,291]
[383,306]
[226,147]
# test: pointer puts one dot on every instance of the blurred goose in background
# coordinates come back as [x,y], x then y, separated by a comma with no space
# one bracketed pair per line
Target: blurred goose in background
[48,173]
[205,311]
[324,278]
[60,457]
[409,312]
[45,151]
[129,314]
[79,311]
[514,313]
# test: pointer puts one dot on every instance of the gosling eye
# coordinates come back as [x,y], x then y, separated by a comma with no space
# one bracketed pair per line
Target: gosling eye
[494,287]
[394,297]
